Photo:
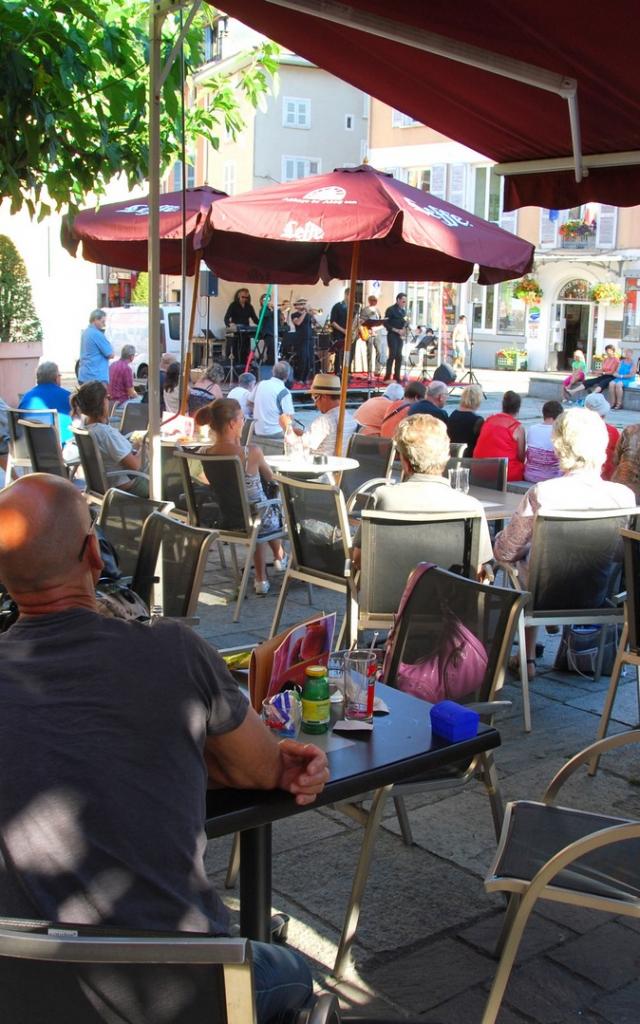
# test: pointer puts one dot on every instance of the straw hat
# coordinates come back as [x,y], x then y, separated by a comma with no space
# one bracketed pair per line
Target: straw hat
[326,384]
[300,302]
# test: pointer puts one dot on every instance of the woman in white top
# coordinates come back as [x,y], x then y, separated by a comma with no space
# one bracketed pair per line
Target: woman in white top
[541,461]
[171,389]
[116,450]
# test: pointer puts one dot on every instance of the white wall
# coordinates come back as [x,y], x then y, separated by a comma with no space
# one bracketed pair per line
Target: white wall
[64,288]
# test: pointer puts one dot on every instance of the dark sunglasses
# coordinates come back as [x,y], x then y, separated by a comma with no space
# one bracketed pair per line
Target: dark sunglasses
[86,540]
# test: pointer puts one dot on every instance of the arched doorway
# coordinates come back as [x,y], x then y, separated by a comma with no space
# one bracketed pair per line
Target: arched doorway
[572,324]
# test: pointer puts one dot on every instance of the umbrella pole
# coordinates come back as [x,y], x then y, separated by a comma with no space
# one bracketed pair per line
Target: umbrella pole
[155,34]
[188,360]
[355,259]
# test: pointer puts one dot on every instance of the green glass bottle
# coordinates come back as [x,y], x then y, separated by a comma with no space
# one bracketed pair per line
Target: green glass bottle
[316,709]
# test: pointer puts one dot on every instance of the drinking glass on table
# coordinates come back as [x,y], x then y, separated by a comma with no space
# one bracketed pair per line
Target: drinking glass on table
[459,479]
[360,668]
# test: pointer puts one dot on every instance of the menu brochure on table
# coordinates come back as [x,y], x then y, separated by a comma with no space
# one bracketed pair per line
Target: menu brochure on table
[307,644]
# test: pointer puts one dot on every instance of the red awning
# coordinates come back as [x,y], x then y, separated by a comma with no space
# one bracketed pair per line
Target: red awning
[506,120]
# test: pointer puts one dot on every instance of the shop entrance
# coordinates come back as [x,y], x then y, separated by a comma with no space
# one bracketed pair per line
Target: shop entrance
[573,323]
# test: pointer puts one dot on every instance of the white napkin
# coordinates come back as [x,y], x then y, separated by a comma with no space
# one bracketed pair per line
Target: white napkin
[351,725]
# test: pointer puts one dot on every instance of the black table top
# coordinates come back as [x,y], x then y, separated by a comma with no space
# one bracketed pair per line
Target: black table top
[399,747]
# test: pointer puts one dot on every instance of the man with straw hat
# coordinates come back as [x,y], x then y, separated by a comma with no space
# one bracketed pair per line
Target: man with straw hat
[321,434]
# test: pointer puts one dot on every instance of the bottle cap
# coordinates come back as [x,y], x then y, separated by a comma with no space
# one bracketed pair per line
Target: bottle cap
[315,671]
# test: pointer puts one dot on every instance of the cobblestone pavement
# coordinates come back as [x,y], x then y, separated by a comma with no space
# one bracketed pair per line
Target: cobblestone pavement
[427,929]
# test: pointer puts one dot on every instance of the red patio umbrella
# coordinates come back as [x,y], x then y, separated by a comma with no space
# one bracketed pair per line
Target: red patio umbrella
[304,231]
[354,222]
[116,234]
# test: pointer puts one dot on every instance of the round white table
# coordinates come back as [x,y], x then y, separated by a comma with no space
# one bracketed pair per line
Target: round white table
[291,464]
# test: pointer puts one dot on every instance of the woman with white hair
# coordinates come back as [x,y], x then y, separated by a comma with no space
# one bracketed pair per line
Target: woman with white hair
[580,441]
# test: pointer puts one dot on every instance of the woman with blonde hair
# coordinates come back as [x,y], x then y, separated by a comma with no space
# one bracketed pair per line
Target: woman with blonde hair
[464,423]
[580,440]
[225,420]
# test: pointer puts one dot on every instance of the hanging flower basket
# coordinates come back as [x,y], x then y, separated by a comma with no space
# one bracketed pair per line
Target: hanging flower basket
[607,292]
[511,359]
[528,290]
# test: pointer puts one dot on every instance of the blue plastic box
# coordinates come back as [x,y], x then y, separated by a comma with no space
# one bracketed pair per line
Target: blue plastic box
[453,721]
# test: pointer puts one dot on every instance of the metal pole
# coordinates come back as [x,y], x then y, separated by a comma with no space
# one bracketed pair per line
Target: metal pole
[156,19]
[346,358]
[276,330]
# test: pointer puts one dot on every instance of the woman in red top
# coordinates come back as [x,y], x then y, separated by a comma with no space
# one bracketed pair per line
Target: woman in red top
[503,435]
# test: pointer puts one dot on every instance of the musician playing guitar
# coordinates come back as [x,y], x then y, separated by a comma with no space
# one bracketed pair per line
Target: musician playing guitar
[338,320]
[396,319]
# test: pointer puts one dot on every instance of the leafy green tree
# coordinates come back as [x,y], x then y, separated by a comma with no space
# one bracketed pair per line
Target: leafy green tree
[74,97]
[140,294]
[18,319]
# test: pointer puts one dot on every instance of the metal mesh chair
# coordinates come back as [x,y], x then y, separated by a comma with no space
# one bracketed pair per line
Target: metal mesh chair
[630,637]
[375,456]
[318,529]
[62,977]
[180,554]
[489,473]
[436,600]
[574,565]
[565,855]
[95,476]
[122,518]
[222,504]
[18,457]
[392,544]
[172,480]
[43,445]
[135,416]
[270,444]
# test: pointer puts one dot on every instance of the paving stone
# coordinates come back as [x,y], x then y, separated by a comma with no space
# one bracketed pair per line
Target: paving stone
[546,993]
[605,955]
[430,976]
[539,935]
[409,895]
[625,708]
[468,1007]
[577,919]
[622,1007]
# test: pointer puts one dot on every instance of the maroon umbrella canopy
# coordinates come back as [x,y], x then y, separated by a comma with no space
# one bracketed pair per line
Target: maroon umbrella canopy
[505,119]
[305,230]
[116,234]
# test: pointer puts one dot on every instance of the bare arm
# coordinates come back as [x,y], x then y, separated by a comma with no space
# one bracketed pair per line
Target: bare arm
[132,461]
[249,757]
[521,441]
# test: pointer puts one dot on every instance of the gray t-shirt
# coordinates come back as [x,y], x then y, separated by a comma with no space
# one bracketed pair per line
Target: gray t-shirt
[102,802]
[114,447]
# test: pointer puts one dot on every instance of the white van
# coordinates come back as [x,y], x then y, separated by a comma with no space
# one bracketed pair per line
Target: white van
[129,325]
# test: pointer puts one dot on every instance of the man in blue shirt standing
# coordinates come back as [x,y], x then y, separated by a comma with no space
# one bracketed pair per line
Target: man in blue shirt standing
[95,350]
[48,394]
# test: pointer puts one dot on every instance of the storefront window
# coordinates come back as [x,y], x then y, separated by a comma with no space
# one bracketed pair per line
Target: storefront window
[511,311]
[483,299]
[575,291]
[631,313]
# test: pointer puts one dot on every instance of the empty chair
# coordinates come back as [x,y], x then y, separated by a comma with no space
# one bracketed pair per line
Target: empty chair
[629,645]
[375,457]
[318,529]
[97,479]
[172,486]
[566,855]
[489,473]
[574,565]
[122,518]
[270,444]
[392,544]
[178,554]
[452,638]
[222,504]
[18,457]
[43,445]
[135,416]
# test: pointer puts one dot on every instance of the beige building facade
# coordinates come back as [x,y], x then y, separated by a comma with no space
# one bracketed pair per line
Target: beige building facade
[575,251]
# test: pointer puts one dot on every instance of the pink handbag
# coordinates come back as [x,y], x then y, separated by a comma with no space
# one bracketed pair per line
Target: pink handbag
[454,671]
